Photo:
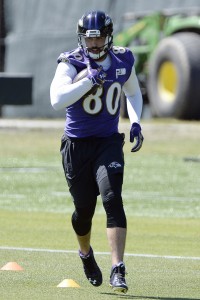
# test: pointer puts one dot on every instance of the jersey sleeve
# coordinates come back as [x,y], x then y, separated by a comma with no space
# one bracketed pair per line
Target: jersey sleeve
[130,57]
[75,58]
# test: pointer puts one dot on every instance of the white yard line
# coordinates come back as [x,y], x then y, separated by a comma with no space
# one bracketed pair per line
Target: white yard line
[100,253]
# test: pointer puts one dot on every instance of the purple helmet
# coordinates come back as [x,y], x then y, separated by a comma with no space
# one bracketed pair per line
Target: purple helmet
[95,24]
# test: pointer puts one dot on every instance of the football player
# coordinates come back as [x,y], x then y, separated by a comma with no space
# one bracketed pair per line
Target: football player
[88,82]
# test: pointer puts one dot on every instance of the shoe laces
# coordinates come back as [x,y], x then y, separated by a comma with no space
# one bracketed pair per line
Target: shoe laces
[119,278]
[119,272]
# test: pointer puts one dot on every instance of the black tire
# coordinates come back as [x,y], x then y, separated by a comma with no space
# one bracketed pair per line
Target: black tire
[173,84]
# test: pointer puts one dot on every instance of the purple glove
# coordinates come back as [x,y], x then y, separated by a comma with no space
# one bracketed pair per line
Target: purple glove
[135,133]
[96,76]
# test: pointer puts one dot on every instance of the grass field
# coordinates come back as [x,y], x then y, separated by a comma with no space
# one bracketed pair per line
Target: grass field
[162,201]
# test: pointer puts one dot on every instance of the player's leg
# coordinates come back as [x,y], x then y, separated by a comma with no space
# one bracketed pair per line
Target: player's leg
[78,172]
[109,175]
[110,189]
[84,242]
[84,193]
[117,239]
[82,225]
[110,180]
[116,229]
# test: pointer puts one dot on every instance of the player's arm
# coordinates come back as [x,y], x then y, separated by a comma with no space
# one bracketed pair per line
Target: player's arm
[134,97]
[134,106]
[62,92]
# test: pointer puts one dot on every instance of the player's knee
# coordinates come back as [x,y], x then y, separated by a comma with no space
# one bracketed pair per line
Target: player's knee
[113,206]
[110,188]
[82,220]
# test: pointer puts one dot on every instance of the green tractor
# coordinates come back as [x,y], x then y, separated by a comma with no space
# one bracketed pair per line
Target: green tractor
[166,46]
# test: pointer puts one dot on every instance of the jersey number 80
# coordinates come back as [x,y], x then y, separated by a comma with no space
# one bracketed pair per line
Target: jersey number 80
[93,104]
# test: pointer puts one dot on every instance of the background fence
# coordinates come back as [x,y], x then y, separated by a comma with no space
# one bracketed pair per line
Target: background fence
[37,31]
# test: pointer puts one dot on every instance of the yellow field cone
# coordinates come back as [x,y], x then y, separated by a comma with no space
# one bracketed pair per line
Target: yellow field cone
[12,266]
[68,283]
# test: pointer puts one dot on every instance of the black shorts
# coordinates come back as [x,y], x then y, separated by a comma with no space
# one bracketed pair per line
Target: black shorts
[87,161]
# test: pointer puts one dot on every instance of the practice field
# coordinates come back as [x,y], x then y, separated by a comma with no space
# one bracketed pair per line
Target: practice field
[161,197]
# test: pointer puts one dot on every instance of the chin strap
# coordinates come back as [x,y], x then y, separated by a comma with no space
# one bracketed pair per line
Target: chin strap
[96,56]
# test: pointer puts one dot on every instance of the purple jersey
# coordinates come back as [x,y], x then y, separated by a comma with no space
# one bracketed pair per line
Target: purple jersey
[97,114]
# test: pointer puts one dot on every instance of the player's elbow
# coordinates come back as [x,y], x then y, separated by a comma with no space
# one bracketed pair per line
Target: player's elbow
[55,99]
[56,106]
[56,103]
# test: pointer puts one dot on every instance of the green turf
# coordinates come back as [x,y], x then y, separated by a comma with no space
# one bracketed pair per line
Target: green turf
[148,278]
[161,198]
[161,236]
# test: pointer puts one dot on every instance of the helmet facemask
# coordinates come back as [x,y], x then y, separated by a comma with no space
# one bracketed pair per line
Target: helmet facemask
[102,50]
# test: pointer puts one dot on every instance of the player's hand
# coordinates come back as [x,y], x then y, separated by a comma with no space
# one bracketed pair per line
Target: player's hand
[135,134]
[96,76]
